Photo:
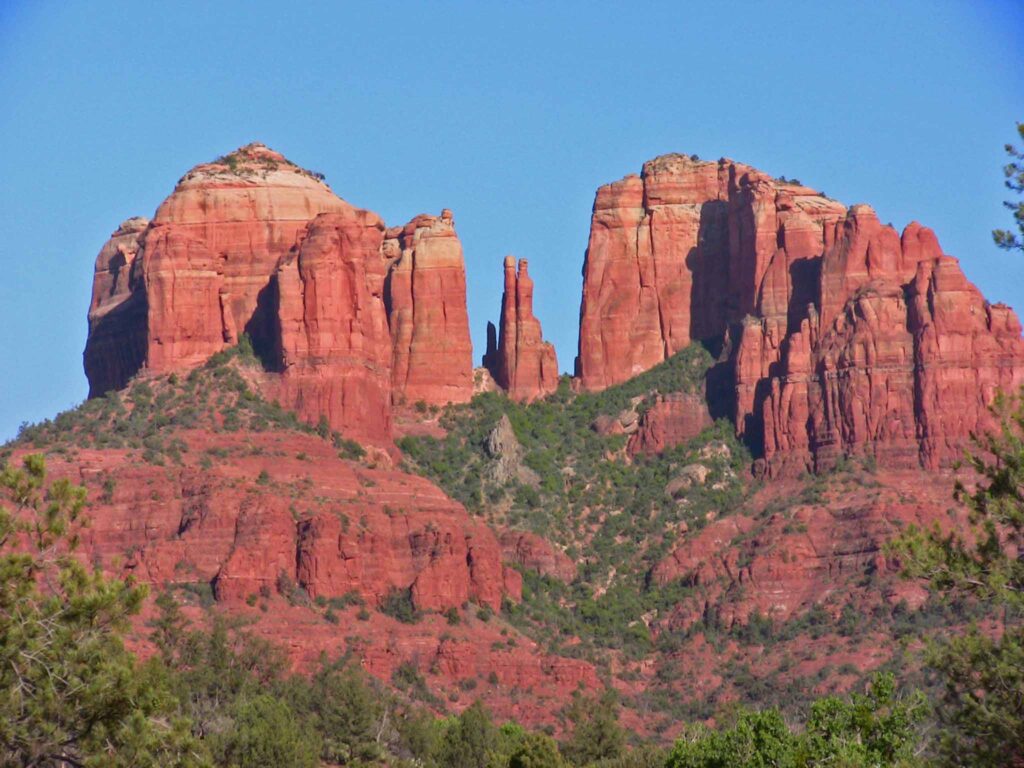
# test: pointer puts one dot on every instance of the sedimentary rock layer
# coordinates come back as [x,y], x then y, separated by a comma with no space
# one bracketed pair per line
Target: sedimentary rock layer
[335,349]
[340,310]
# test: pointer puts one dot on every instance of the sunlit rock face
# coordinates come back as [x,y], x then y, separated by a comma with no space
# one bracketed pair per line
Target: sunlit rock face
[519,359]
[842,336]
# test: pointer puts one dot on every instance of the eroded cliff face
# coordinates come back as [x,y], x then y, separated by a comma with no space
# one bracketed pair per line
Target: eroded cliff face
[212,248]
[425,293]
[117,312]
[344,314]
[519,359]
[679,252]
[335,348]
[843,337]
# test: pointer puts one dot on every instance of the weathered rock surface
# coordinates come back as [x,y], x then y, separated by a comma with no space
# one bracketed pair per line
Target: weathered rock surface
[335,349]
[329,529]
[117,312]
[801,553]
[845,337]
[678,253]
[425,294]
[535,553]
[506,451]
[212,248]
[671,420]
[900,363]
[519,359]
[239,247]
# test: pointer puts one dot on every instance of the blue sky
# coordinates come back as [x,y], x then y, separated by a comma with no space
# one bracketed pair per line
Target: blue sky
[511,114]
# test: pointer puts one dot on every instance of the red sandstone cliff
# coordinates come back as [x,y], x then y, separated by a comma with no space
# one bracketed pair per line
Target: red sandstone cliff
[335,349]
[117,312]
[845,337]
[212,247]
[519,359]
[425,295]
[340,314]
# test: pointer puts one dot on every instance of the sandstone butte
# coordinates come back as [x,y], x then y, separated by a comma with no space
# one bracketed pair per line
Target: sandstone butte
[344,313]
[519,359]
[841,336]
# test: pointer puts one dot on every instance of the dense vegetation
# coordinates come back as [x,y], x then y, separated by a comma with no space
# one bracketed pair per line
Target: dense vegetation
[578,488]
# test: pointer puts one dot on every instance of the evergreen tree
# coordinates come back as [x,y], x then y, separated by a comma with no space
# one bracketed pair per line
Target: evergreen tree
[72,695]
[596,733]
[982,704]
[1014,172]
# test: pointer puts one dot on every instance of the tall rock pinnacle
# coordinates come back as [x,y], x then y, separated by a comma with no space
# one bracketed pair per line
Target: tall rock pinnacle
[523,364]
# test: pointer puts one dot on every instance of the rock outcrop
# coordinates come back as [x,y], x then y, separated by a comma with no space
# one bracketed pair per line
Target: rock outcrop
[672,419]
[212,248]
[425,293]
[335,350]
[844,337]
[345,314]
[117,312]
[519,359]
[533,552]
[900,363]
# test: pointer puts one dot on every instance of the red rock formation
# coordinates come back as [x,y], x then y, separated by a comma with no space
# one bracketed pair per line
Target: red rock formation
[782,562]
[534,553]
[426,303]
[212,248]
[901,363]
[845,337]
[334,342]
[117,312]
[222,257]
[671,420]
[680,252]
[522,363]
[359,529]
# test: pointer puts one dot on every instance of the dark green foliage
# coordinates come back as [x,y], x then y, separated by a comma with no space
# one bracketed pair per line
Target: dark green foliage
[70,693]
[1014,172]
[536,750]
[865,731]
[265,732]
[596,733]
[469,741]
[614,513]
[398,604]
[982,702]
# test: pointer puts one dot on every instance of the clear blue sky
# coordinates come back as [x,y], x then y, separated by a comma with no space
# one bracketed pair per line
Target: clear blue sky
[511,114]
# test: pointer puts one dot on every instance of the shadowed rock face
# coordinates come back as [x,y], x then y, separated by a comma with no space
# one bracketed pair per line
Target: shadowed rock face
[521,362]
[117,312]
[425,295]
[845,337]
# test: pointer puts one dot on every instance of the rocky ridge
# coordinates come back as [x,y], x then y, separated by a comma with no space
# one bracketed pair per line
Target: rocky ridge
[842,337]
